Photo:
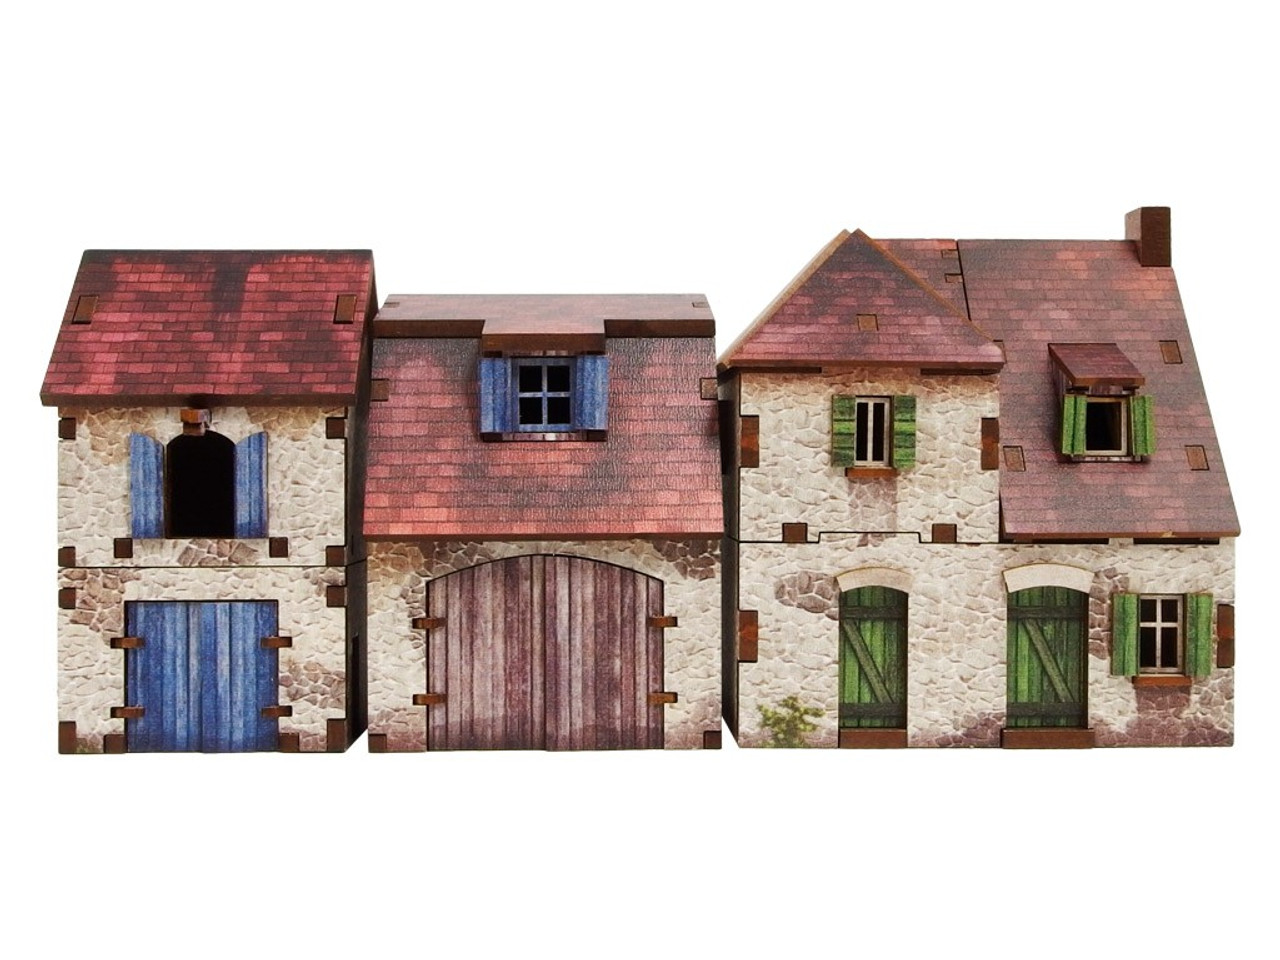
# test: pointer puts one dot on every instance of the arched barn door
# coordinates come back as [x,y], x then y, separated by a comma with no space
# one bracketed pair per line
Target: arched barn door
[544,652]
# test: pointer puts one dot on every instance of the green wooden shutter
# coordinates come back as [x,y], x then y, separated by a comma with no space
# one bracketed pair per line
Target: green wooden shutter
[1144,426]
[904,432]
[844,424]
[1199,634]
[1073,420]
[1124,635]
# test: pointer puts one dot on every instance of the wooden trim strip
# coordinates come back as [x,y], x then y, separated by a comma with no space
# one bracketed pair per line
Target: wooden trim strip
[378,743]
[795,533]
[66,556]
[122,548]
[427,623]
[429,699]
[990,443]
[277,547]
[869,473]
[749,441]
[128,713]
[276,643]
[67,742]
[277,711]
[113,743]
[335,735]
[290,743]
[335,596]
[872,738]
[1046,738]
[663,623]
[748,636]
[66,428]
[335,555]
[711,739]
[67,598]
[127,643]
[661,697]
[335,428]
[1175,680]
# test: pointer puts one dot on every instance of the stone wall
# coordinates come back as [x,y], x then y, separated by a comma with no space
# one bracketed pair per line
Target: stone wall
[957,635]
[398,574]
[312,674]
[306,486]
[796,483]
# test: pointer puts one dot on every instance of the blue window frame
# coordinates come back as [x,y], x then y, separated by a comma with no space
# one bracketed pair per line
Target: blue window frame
[560,395]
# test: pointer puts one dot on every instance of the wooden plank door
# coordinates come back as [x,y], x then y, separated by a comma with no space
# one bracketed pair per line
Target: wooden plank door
[201,676]
[1047,650]
[544,652]
[873,658]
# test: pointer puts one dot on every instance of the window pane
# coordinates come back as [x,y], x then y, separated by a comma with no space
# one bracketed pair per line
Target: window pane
[530,408]
[1102,426]
[1169,610]
[530,381]
[558,378]
[1169,647]
[1147,609]
[1147,647]
[862,436]
[878,425]
[558,410]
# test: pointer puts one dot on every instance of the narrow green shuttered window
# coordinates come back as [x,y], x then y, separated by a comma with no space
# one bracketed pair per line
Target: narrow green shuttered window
[1144,426]
[1199,634]
[1124,635]
[904,432]
[1073,424]
[844,420]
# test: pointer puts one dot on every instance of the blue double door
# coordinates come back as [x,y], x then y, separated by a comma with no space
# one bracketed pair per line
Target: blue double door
[202,676]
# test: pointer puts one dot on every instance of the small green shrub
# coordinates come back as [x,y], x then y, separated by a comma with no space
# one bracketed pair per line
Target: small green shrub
[788,724]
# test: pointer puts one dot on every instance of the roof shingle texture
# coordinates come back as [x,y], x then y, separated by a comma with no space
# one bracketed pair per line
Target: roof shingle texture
[431,476]
[220,325]
[1032,293]
[916,324]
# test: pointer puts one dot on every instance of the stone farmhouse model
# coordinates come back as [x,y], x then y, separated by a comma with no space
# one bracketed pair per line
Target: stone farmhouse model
[974,498]
[543,518]
[210,574]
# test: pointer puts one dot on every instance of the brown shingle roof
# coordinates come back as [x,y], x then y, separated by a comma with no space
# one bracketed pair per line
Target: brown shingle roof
[814,322]
[431,476]
[1034,293]
[222,325]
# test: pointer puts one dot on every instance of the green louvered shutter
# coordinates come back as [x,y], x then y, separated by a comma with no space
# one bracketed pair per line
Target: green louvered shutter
[844,421]
[1199,634]
[1073,420]
[904,432]
[1124,635]
[1144,426]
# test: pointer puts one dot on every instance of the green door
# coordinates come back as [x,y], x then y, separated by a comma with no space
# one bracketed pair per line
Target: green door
[1048,645]
[873,658]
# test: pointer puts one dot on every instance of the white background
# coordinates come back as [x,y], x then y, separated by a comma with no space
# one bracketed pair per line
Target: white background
[654,147]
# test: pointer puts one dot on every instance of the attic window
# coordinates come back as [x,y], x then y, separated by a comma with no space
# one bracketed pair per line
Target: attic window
[1103,415]
[544,397]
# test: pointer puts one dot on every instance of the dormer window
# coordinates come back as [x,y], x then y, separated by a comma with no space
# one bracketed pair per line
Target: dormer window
[547,397]
[1104,416]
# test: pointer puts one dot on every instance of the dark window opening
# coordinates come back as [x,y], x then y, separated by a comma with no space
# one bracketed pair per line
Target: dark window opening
[871,436]
[1104,428]
[200,471]
[1159,634]
[544,395]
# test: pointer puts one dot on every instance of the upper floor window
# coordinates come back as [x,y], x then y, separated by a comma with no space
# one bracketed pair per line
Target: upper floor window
[873,432]
[199,485]
[548,396]
[1103,414]
[1161,634]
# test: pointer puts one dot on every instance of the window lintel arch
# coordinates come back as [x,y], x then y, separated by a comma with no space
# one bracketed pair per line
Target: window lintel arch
[874,577]
[1048,575]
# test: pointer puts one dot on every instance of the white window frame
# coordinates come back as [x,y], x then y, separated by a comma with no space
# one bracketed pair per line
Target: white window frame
[864,435]
[1158,624]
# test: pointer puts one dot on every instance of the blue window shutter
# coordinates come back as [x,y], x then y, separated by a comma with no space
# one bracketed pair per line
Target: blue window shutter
[495,395]
[251,486]
[146,486]
[591,393]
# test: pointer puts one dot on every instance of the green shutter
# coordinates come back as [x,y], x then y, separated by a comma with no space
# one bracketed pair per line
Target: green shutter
[1073,419]
[904,432]
[844,423]
[1144,426]
[1124,635]
[1199,634]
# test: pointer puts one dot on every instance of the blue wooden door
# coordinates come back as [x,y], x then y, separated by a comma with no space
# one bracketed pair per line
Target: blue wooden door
[201,676]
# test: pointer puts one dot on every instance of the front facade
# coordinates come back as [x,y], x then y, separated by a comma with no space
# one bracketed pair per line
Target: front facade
[543,521]
[210,566]
[974,498]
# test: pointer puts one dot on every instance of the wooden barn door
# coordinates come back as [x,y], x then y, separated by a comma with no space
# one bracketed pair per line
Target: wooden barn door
[201,676]
[1048,647]
[873,658]
[544,652]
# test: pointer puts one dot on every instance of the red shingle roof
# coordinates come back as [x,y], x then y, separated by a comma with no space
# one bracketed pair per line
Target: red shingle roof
[1033,293]
[815,321]
[431,476]
[220,325]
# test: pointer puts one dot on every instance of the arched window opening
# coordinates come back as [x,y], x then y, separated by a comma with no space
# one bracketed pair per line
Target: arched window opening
[200,470]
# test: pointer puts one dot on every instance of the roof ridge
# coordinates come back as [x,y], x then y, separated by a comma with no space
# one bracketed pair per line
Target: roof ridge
[919,281]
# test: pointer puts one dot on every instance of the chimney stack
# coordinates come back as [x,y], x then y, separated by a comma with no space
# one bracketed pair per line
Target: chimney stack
[1148,227]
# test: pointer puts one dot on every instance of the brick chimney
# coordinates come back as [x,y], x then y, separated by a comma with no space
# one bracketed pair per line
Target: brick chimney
[1148,228]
